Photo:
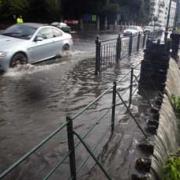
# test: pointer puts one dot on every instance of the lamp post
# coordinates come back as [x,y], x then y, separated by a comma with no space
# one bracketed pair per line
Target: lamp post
[177,14]
[168,17]
[169,13]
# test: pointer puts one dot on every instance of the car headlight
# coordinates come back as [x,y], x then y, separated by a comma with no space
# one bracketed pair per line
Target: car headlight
[2,54]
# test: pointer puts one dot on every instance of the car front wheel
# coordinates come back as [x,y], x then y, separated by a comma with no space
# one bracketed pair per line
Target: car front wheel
[18,59]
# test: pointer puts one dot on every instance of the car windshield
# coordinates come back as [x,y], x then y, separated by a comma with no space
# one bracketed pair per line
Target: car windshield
[20,31]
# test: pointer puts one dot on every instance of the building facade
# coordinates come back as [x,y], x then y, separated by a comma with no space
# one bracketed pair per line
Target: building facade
[178,13]
[159,10]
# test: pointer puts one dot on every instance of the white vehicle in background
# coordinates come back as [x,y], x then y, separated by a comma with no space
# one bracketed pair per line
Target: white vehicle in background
[132,30]
[62,26]
[148,29]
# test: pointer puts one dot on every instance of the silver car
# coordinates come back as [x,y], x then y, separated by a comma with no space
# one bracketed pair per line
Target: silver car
[31,43]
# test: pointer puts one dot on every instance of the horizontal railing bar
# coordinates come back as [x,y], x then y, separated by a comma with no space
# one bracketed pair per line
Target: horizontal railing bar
[97,123]
[94,148]
[110,44]
[93,156]
[99,97]
[104,41]
[130,113]
[57,166]
[90,104]
[54,169]
[23,158]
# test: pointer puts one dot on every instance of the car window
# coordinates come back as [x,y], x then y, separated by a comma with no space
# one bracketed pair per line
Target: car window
[45,33]
[20,31]
[56,33]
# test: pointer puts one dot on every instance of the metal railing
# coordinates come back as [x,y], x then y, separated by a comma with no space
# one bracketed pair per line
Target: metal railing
[117,100]
[112,50]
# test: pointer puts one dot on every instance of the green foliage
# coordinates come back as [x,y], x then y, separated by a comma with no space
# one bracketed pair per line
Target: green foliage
[135,10]
[19,6]
[171,170]
[54,9]
[44,10]
[176,104]
[111,8]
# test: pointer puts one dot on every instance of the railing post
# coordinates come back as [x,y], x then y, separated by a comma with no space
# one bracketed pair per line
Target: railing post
[71,148]
[118,49]
[138,41]
[113,106]
[131,87]
[175,42]
[144,39]
[130,44]
[98,56]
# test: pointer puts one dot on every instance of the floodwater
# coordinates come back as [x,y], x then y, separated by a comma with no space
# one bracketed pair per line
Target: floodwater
[35,100]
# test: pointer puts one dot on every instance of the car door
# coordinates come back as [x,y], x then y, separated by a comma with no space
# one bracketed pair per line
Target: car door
[58,40]
[42,46]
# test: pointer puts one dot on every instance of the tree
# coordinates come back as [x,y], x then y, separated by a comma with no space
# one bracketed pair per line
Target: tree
[19,7]
[112,8]
[54,9]
[4,9]
[135,10]
[46,10]
[37,11]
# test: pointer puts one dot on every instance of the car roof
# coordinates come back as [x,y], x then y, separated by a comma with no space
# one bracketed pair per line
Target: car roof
[35,25]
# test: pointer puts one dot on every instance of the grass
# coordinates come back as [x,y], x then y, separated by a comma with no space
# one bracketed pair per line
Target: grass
[171,170]
[175,100]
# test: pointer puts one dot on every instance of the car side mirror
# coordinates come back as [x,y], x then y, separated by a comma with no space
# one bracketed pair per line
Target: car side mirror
[38,38]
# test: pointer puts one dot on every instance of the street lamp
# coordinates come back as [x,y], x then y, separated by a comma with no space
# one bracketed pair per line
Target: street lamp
[168,17]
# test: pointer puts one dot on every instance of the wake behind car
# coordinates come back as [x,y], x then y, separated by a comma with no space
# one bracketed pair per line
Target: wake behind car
[132,30]
[31,43]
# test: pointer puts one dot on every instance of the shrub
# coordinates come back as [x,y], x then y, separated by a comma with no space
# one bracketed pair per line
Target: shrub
[176,104]
[171,170]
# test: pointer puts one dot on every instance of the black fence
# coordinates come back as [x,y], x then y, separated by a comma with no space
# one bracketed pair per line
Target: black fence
[113,50]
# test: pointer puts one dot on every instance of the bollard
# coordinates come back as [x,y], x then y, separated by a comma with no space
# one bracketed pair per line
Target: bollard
[138,41]
[131,87]
[113,107]
[118,49]
[130,44]
[175,45]
[98,56]
[71,148]
[144,40]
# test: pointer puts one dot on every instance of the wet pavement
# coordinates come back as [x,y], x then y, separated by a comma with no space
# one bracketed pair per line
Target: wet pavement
[36,99]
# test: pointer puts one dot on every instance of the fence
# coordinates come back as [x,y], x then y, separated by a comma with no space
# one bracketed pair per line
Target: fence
[113,50]
[116,93]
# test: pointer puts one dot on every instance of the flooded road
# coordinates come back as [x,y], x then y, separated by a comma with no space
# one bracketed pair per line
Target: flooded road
[36,99]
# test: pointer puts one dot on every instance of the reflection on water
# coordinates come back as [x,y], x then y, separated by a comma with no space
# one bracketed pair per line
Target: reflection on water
[35,100]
